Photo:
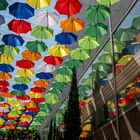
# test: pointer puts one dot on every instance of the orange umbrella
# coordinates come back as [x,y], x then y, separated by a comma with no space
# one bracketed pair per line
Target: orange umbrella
[72,24]
[134,90]
[5,105]
[41,83]
[7,95]
[30,55]
[5,76]
[26,118]
[29,104]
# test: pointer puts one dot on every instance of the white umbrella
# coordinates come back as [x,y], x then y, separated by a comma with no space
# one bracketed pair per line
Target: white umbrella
[46,68]
[46,18]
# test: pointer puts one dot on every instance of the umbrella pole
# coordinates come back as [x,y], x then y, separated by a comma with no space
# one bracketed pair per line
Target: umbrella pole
[114,73]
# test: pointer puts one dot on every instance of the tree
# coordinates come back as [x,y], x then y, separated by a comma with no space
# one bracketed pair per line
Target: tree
[72,118]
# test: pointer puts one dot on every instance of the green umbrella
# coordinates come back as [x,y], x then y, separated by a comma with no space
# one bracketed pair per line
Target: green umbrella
[96,30]
[39,119]
[63,70]
[88,81]
[54,91]
[20,79]
[97,13]
[42,32]
[2,99]
[3,5]
[14,111]
[72,63]
[45,107]
[107,2]
[125,34]
[35,123]
[43,114]
[88,43]
[58,85]
[101,67]
[11,122]
[18,92]
[136,23]
[62,78]
[101,74]
[83,89]
[6,49]
[79,54]
[4,130]
[106,58]
[118,46]
[36,46]
[52,98]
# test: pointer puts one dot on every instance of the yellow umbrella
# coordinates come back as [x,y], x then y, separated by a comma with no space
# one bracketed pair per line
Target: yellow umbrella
[25,72]
[13,115]
[87,127]
[7,59]
[39,3]
[59,50]
[125,59]
[18,107]
[35,95]
[13,102]
[2,121]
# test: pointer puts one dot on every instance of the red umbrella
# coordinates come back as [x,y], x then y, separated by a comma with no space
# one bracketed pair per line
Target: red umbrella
[12,118]
[24,123]
[4,89]
[82,104]
[38,89]
[68,7]
[129,96]
[4,83]
[23,97]
[38,100]
[27,64]
[33,109]
[2,114]
[137,79]
[19,26]
[53,60]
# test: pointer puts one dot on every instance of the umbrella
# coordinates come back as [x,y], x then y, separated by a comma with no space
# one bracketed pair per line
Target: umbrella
[96,30]
[41,83]
[107,2]
[101,74]
[59,50]
[88,81]
[20,79]
[54,91]
[9,50]
[18,107]
[39,3]
[46,18]
[2,20]
[58,85]
[2,99]
[38,100]
[125,59]
[46,68]
[97,13]
[79,54]
[83,89]
[3,5]
[27,64]
[88,42]
[13,40]
[13,102]
[5,76]
[4,83]
[6,68]
[20,87]
[72,63]
[38,89]
[33,109]
[101,67]
[136,22]
[43,75]
[4,89]
[42,114]
[36,46]
[42,32]
[52,98]
[31,55]
[125,34]
[21,10]
[29,104]
[7,59]
[35,95]
[4,105]
[106,58]
[19,26]
[23,97]
[7,95]
[66,38]
[30,113]
[45,107]
[25,72]
[62,78]
[53,60]
[18,92]
[68,7]
[72,24]
[63,70]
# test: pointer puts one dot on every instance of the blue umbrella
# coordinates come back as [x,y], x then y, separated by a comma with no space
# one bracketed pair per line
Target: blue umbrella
[2,20]
[30,113]
[43,75]
[137,84]
[22,126]
[21,10]
[133,48]
[6,68]
[66,38]
[20,87]
[13,40]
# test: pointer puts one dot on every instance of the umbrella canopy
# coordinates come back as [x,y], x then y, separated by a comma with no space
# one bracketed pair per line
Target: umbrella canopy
[72,24]
[2,20]
[63,70]
[19,107]
[4,89]
[6,68]
[45,107]
[20,79]
[4,105]
[88,42]
[13,102]
[135,23]
[43,75]
[13,40]
[19,26]
[54,91]
[41,83]
[7,95]
[31,55]
[101,67]
[7,59]
[125,59]
[42,32]
[52,98]
[29,104]
[5,76]
[58,85]
[53,60]
[46,68]
[62,78]
[88,81]
[20,87]
[18,92]
[35,95]
[3,5]
[2,99]
[79,54]
[24,9]
[38,100]
[59,50]
[23,97]
[4,83]
[39,3]
[38,89]
[27,64]
[66,38]
[25,72]
[133,48]
[96,30]
[33,109]
[107,2]
[68,7]
[106,58]
[97,13]
[47,18]
[36,46]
